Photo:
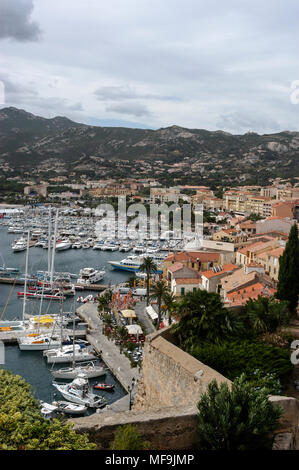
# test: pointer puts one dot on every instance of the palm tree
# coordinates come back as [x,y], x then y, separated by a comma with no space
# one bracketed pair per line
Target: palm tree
[159,291]
[203,316]
[104,301]
[148,266]
[170,304]
[267,314]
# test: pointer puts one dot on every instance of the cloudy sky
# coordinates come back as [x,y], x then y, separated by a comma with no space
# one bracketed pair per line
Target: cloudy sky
[154,63]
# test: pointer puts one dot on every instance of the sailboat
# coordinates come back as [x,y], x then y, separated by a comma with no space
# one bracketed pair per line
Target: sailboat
[36,341]
[90,371]
[81,352]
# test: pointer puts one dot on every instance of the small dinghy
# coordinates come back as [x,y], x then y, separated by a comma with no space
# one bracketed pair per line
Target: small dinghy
[71,408]
[104,387]
[47,410]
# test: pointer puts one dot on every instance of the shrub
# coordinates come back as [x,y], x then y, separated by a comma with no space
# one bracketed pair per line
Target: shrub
[238,419]
[22,426]
[232,358]
[127,438]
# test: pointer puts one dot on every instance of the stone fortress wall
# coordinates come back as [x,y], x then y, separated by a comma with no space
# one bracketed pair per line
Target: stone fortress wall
[164,408]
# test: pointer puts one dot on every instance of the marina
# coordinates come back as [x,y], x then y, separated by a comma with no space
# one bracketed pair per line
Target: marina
[31,269]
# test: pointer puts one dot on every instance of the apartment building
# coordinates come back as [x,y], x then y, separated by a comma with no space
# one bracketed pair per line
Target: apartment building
[270,261]
[250,253]
[164,195]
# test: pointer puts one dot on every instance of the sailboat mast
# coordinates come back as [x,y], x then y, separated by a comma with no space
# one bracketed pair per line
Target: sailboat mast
[49,240]
[26,275]
[53,250]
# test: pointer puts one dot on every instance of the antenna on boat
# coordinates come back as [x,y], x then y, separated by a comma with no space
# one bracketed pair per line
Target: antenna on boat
[26,275]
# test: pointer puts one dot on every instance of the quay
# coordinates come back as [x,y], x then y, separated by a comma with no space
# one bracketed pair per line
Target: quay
[118,363]
[20,282]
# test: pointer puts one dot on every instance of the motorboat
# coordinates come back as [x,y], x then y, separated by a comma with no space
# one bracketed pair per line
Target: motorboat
[47,410]
[63,245]
[90,371]
[78,392]
[90,276]
[107,387]
[77,245]
[20,245]
[71,408]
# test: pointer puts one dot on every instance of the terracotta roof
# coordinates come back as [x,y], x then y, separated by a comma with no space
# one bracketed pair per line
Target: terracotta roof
[241,296]
[193,255]
[237,279]
[277,252]
[176,267]
[225,269]
[249,247]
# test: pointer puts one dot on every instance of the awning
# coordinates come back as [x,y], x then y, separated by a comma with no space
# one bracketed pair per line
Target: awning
[151,312]
[128,313]
[134,329]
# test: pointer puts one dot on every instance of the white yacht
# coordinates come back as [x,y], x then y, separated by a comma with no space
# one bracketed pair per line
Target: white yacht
[20,245]
[63,245]
[90,371]
[90,276]
[78,392]
[77,245]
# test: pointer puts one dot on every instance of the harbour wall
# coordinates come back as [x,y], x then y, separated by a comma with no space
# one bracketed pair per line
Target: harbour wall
[164,409]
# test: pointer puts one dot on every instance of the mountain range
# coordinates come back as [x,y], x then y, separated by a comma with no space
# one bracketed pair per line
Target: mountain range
[27,140]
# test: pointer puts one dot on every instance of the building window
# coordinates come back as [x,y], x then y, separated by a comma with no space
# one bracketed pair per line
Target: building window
[182,290]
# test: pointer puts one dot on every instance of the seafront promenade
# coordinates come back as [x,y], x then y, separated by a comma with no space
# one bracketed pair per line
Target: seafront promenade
[118,363]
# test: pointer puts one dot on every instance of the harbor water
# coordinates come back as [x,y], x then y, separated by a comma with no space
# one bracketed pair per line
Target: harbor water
[31,365]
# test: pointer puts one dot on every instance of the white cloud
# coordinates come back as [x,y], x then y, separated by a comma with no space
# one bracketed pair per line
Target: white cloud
[192,63]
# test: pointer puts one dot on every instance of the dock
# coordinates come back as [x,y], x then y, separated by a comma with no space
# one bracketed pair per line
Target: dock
[118,363]
[21,282]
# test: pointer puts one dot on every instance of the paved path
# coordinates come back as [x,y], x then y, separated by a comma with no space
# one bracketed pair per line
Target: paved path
[143,317]
[118,363]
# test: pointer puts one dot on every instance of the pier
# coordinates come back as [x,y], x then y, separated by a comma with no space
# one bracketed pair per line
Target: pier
[118,363]
[20,282]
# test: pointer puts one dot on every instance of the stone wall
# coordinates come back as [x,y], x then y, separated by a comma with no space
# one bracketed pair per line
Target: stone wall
[164,408]
[165,428]
[170,376]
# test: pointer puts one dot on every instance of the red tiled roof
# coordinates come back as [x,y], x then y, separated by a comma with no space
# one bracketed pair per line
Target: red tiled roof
[225,269]
[192,256]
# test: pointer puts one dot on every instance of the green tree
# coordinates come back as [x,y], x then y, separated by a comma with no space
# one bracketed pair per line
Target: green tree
[104,301]
[22,426]
[202,315]
[159,290]
[170,304]
[288,284]
[238,419]
[266,314]
[127,438]
[148,266]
